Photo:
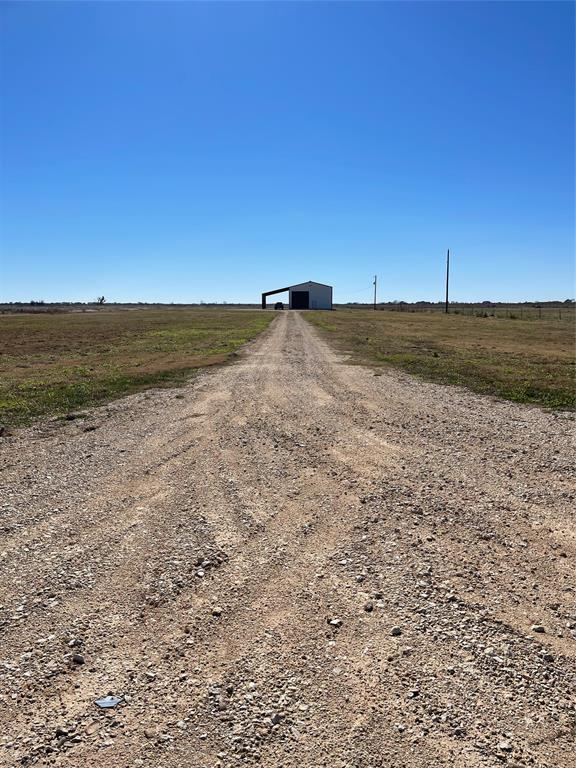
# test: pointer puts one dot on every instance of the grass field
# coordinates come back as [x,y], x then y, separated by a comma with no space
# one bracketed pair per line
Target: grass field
[57,363]
[551,310]
[527,361]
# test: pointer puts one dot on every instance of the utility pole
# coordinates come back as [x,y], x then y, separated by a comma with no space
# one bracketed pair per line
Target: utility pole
[375,281]
[447,278]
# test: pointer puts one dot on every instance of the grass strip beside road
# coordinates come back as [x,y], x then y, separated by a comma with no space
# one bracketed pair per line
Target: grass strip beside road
[524,361]
[54,364]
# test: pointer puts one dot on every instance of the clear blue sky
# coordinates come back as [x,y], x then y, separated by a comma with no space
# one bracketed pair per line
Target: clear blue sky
[187,151]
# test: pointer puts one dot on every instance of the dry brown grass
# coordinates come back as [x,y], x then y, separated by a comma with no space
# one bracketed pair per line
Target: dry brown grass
[54,363]
[526,361]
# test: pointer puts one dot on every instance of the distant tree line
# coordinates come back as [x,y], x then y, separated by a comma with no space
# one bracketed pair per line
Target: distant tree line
[399,303]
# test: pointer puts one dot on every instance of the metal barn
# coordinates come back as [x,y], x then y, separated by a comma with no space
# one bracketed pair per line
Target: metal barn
[308,295]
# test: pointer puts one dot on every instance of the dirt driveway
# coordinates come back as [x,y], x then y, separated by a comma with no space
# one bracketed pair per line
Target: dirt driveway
[291,562]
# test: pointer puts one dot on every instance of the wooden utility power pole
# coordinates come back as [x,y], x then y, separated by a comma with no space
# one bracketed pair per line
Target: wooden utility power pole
[447,278]
[375,281]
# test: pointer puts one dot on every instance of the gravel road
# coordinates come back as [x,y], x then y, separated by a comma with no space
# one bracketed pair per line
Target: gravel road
[295,562]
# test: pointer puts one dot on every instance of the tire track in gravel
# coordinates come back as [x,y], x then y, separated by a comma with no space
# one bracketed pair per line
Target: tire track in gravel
[281,492]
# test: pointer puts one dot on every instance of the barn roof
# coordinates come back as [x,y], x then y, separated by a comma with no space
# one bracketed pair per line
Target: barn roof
[311,282]
[281,290]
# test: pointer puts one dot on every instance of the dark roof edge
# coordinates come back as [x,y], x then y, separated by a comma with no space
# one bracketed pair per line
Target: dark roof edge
[276,290]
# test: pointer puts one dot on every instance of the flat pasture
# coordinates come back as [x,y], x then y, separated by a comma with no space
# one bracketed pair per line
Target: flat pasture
[52,364]
[527,361]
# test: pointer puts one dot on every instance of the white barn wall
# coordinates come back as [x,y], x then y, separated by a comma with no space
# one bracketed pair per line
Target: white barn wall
[320,296]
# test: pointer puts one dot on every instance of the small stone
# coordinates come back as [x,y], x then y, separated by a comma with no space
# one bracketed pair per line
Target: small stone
[108,701]
[538,628]
[505,746]
[150,733]
[396,631]
[335,622]
[217,611]
[61,732]
[77,658]
[276,718]
[369,607]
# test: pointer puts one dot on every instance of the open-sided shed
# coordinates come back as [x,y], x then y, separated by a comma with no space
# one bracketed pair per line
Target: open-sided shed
[308,295]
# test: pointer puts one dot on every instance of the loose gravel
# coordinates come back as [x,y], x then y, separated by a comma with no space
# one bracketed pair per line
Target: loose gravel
[290,562]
